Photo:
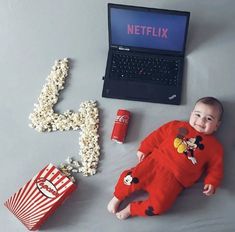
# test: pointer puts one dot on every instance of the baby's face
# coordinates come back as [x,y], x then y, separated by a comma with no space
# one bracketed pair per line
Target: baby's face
[205,118]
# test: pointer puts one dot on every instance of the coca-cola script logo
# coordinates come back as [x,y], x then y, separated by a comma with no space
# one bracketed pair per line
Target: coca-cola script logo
[46,188]
[122,119]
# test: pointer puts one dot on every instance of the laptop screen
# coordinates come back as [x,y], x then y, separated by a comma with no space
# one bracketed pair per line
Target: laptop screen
[148,28]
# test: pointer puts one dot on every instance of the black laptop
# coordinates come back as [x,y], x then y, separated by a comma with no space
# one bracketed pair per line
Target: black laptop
[146,54]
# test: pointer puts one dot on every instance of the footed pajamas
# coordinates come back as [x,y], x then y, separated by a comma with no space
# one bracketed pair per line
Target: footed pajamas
[175,157]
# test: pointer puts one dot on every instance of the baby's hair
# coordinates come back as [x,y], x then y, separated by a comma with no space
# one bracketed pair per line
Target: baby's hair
[212,101]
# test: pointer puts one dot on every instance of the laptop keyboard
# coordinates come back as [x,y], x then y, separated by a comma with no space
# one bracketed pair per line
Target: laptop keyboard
[163,71]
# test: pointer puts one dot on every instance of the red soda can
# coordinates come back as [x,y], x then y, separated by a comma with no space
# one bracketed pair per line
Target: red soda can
[120,126]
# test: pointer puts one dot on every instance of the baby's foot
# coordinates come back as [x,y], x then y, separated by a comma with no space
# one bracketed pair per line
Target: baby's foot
[113,205]
[125,213]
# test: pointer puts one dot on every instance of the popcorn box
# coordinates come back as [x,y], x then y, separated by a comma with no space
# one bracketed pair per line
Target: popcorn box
[40,197]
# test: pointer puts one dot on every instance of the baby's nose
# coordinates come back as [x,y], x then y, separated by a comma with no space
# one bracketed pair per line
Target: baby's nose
[203,120]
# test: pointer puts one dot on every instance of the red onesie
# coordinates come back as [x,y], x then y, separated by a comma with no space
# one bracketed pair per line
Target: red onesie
[176,156]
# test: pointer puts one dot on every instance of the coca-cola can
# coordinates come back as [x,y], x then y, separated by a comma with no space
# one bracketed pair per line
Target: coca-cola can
[120,126]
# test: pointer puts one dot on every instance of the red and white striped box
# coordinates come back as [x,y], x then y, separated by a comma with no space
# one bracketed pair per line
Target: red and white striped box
[40,197]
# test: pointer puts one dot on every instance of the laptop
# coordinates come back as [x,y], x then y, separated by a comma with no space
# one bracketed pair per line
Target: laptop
[146,54]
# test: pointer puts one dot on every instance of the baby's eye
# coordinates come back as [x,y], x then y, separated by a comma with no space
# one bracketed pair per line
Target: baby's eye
[197,115]
[209,119]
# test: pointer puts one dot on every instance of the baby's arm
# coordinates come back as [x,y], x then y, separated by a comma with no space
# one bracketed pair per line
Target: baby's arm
[209,189]
[214,172]
[153,140]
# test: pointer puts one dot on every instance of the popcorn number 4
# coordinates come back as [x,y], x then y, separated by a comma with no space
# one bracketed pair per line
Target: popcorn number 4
[45,119]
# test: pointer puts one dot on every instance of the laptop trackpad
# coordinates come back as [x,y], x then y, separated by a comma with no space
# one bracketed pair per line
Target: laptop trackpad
[137,90]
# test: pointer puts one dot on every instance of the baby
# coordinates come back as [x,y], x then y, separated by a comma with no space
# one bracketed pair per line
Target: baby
[172,158]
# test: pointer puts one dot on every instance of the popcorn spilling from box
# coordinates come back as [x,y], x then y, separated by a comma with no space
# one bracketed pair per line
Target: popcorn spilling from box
[70,167]
[44,118]
[40,197]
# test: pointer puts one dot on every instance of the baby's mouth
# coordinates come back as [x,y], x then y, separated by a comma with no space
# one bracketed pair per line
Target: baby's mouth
[201,127]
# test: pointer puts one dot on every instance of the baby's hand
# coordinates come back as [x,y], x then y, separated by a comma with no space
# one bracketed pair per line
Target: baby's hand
[140,155]
[209,189]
